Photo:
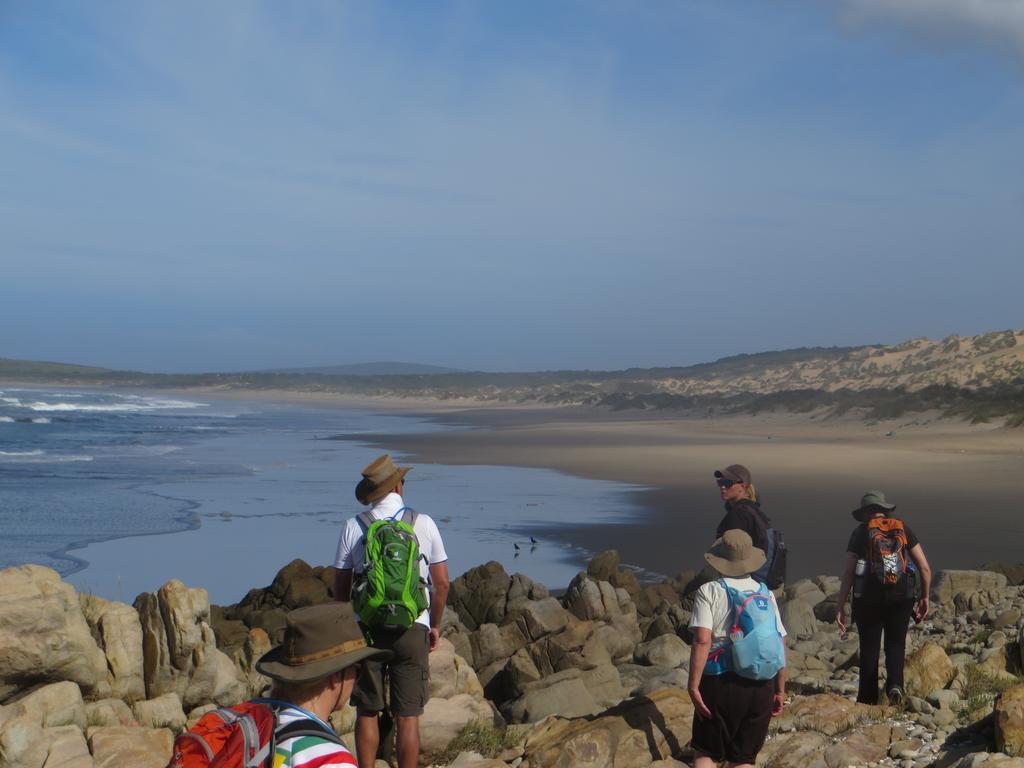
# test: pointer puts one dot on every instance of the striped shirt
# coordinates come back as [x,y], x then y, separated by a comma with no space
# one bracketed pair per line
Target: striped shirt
[308,751]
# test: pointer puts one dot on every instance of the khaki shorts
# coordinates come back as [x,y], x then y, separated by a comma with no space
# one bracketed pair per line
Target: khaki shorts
[408,674]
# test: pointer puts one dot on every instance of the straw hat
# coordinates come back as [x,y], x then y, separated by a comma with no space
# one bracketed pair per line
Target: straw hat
[871,500]
[735,554]
[319,640]
[380,478]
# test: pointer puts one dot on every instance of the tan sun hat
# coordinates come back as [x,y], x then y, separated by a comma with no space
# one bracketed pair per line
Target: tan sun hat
[380,478]
[319,640]
[735,554]
[871,500]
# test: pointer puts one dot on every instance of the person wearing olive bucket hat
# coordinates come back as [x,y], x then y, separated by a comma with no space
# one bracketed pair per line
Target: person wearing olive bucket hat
[732,709]
[313,672]
[889,573]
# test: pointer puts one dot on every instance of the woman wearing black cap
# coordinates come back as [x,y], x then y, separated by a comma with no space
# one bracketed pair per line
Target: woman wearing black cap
[743,512]
[883,561]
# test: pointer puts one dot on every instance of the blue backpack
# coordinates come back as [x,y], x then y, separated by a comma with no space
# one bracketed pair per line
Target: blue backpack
[757,651]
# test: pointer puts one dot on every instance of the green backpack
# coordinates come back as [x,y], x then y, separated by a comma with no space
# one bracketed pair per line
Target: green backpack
[390,593]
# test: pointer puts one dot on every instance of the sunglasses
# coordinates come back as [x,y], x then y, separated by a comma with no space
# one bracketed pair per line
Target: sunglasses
[724,482]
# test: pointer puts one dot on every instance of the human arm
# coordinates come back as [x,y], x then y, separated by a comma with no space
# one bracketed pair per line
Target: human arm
[844,590]
[917,555]
[343,585]
[438,600]
[779,697]
[699,649]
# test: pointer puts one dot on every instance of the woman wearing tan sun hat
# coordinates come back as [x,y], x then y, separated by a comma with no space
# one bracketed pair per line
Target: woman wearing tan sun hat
[732,711]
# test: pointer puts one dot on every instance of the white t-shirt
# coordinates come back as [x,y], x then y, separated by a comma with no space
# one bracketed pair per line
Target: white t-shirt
[711,607]
[352,546]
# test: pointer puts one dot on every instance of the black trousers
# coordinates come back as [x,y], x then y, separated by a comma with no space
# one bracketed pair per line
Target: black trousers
[876,616]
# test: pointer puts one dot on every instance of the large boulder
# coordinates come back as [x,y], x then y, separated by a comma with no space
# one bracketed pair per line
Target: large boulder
[451,675]
[162,712]
[117,627]
[68,748]
[928,669]
[442,719]
[825,713]
[1009,721]
[538,618]
[255,645]
[119,747]
[180,649]
[43,634]
[637,733]
[663,651]
[604,565]
[480,595]
[22,743]
[949,583]
[798,618]
[52,705]
[108,712]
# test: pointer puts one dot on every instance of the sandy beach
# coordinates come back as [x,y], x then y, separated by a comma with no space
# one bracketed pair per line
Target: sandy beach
[957,485]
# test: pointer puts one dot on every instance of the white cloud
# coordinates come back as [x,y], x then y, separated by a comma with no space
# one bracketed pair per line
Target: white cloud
[997,24]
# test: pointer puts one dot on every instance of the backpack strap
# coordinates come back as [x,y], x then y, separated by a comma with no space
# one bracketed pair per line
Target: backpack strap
[365,520]
[307,727]
[409,517]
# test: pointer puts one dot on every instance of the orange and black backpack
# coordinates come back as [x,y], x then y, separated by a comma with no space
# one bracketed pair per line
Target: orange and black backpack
[243,736]
[888,551]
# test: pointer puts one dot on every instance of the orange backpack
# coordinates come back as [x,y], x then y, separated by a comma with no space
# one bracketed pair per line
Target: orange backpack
[887,550]
[243,736]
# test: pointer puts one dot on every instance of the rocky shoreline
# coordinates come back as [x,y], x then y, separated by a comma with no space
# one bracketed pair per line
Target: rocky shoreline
[523,679]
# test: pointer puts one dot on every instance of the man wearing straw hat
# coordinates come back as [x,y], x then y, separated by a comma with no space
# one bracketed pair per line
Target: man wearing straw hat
[314,671]
[731,712]
[381,489]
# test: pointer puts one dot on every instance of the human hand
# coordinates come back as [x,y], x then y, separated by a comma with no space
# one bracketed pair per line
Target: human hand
[698,703]
[435,635]
[922,609]
[841,621]
[778,702]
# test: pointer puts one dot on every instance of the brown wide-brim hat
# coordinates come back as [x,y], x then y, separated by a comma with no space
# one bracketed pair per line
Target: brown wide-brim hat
[319,640]
[380,478]
[870,502]
[735,554]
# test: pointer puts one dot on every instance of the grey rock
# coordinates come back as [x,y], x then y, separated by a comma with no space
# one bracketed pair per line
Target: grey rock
[663,651]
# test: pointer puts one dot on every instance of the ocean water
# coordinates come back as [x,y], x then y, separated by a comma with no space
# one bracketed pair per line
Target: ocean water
[122,491]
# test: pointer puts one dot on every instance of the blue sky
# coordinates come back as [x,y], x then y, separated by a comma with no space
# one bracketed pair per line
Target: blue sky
[504,186]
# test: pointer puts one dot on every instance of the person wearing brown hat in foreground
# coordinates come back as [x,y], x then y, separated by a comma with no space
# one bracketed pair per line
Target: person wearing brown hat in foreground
[314,671]
[743,511]
[886,566]
[731,710]
[381,489]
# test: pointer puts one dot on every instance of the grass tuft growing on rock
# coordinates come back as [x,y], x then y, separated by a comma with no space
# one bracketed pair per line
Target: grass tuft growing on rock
[480,737]
[980,692]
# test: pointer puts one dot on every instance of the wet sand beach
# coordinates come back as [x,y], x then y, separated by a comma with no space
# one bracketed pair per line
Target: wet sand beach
[958,486]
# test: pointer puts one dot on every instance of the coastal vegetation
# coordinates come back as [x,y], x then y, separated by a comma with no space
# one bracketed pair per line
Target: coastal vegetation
[979,378]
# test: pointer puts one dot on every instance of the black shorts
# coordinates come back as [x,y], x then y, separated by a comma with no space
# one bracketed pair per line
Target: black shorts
[740,712]
[408,674]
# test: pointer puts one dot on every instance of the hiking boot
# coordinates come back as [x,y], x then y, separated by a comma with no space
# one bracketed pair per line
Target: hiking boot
[896,696]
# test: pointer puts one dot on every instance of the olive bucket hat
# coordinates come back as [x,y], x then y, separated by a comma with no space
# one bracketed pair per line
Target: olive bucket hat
[871,500]
[380,477]
[319,640]
[735,554]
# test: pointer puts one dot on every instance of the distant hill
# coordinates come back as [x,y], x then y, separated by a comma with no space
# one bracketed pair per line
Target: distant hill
[36,369]
[370,369]
[980,377]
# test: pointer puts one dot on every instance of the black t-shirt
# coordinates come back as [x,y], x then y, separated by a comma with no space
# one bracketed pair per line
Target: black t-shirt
[747,516]
[859,541]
